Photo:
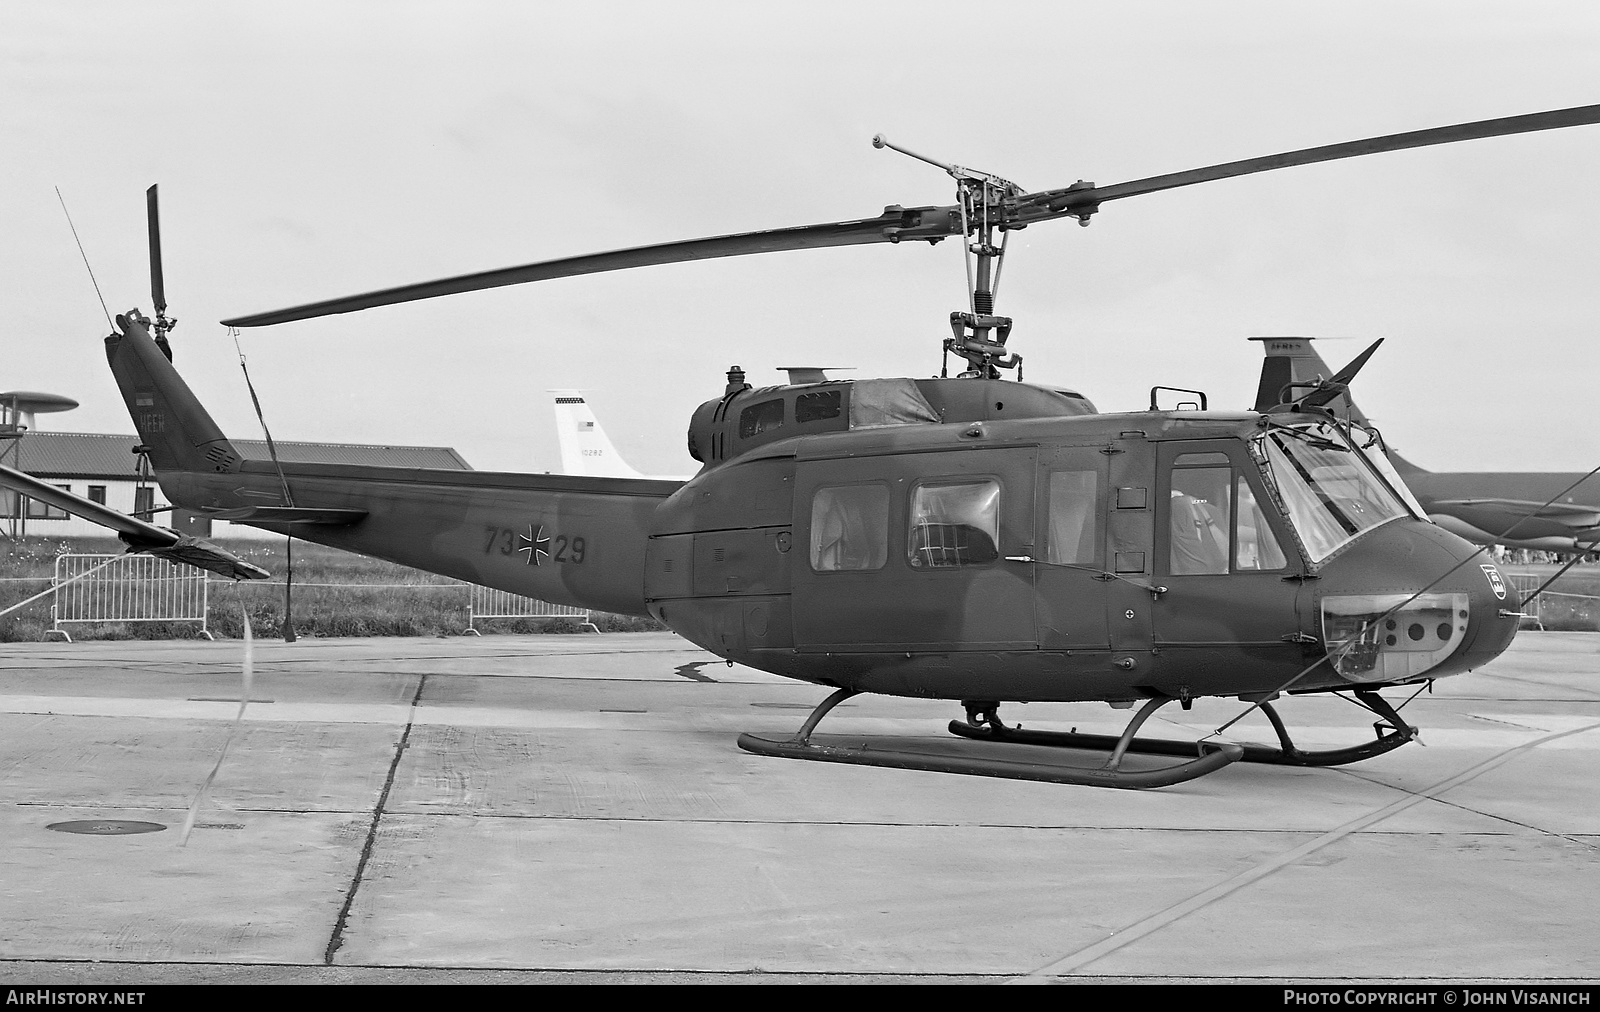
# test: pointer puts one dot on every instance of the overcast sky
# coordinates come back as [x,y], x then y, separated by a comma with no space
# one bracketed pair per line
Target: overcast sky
[311,150]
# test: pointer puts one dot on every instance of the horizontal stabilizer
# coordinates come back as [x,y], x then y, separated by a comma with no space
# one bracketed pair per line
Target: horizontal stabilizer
[203,554]
[138,535]
[289,515]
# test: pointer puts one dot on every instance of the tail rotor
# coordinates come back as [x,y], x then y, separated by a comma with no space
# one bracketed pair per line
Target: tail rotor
[158,287]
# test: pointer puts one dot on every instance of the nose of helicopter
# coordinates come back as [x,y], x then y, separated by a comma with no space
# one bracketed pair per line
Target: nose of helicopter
[1412,600]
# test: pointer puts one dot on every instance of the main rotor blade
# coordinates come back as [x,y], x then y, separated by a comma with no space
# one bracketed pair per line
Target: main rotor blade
[1065,201]
[897,223]
[894,225]
[158,288]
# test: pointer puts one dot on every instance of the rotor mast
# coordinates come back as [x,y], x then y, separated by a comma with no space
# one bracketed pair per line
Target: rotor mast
[978,335]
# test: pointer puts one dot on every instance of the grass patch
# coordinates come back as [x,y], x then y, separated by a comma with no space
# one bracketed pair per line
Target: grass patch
[335,593]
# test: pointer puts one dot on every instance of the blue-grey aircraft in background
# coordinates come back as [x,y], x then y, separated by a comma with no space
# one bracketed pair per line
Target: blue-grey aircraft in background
[1512,508]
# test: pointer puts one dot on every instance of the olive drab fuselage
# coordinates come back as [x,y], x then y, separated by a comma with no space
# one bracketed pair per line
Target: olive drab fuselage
[951,538]
[839,557]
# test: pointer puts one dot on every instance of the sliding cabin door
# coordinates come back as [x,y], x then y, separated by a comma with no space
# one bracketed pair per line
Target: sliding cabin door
[909,551]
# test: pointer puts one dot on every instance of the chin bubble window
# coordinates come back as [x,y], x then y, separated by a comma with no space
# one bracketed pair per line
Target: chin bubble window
[1392,637]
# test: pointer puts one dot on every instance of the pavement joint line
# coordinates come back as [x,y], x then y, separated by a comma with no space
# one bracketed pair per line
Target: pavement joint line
[1576,838]
[1503,723]
[1069,828]
[1441,697]
[337,938]
[1177,911]
[1595,696]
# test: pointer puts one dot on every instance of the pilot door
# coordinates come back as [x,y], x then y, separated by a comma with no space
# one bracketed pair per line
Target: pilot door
[1231,590]
[910,551]
[1070,584]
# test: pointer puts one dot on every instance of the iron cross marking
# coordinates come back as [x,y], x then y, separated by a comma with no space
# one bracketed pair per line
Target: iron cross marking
[536,540]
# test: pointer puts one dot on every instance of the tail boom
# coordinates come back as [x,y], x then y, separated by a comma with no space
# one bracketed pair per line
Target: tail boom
[565,539]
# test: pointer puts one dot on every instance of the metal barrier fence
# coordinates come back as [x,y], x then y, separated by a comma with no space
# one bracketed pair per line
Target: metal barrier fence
[1553,605]
[1525,585]
[127,588]
[488,603]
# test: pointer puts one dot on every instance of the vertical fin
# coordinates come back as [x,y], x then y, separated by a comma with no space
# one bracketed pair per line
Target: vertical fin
[1294,360]
[584,447]
[171,422]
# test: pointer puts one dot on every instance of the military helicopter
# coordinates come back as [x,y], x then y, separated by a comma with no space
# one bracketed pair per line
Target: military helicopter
[971,537]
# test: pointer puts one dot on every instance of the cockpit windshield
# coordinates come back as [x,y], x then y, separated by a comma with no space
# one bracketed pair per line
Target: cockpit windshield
[1329,487]
[1371,447]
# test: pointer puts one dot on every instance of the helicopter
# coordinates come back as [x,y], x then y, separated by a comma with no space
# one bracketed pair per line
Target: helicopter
[973,538]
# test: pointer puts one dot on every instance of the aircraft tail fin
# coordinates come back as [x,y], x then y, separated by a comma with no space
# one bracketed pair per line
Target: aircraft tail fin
[585,448]
[176,429]
[1404,466]
[1292,360]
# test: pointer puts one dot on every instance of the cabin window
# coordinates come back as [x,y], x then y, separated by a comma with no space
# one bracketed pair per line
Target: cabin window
[850,528]
[97,493]
[815,407]
[759,418]
[1255,547]
[955,525]
[1073,537]
[1200,505]
[1216,523]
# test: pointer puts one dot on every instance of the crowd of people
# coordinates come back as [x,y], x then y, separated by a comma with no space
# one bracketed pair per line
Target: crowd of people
[1531,556]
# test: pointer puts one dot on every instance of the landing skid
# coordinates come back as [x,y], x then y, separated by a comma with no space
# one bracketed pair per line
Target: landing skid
[986,727]
[1204,758]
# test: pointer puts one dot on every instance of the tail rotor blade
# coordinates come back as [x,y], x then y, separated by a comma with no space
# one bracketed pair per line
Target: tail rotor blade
[1332,389]
[158,288]
[1348,373]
